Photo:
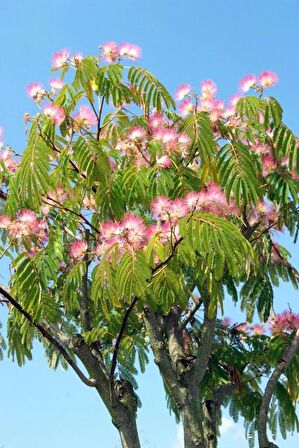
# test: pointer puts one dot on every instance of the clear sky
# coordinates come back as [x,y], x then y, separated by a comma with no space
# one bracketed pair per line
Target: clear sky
[182,41]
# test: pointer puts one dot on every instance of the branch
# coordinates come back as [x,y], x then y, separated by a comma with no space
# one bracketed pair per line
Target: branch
[203,355]
[84,308]
[191,314]
[287,357]
[118,339]
[47,335]
[79,215]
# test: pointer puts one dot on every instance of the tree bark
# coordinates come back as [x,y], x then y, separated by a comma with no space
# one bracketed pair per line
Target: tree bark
[287,357]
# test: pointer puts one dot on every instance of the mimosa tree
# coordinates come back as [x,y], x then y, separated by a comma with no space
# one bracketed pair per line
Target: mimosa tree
[128,224]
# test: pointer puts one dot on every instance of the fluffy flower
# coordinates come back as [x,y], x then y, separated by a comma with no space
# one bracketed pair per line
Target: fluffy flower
[258,329]
[247,83]
[136,133]
[285,322]
[110,51]
[208,89]
[164,162]
[85,117]
[55,113]
[60,58]
[56,84]
[186,107]
[5,221]
[78,249]
[35,90]
[268,79]
[76,59]
[182,91]
[130,51]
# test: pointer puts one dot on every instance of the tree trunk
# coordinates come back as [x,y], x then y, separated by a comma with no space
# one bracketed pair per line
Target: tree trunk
[127,429]
[193,430]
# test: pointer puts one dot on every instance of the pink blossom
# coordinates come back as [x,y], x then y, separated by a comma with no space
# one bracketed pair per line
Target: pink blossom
[241,328]
[5,221]
[269,164]
[110,51]
[78,249]
[182,91]
[56,84]
[27,217]
[285,322]
[35,90]
[130,51]
[258,329]
[234,99]
[164,162]
[160,207]
[247,83]
[268,79]
[10,164]
[136,133]
[186,107]
[217,109]
[208,89]
[85,117]
[226,321]
[76,59]
[55,113]
[156,120]
[60,58]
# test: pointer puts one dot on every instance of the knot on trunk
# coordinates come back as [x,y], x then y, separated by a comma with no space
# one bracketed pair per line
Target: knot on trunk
[125,394]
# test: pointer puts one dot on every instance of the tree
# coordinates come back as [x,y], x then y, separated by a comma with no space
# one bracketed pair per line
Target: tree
[126,224]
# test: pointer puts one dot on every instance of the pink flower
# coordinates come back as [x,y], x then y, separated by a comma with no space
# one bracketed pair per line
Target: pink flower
[268,79]
[208,89]
[234,99]
[160,207]
[164,162]
[78,249]
[110,51]
[258,329]
[56,84]
[226,321]
[182,91]
[136,133]
[76,59]
[186,107]
[130,51]
[60,58]
[156,120]
[35,90]
[241,328]
[55,113]
[27,217]
[247,83]
[85,117]
[6,157]
[285,322]
[5,221]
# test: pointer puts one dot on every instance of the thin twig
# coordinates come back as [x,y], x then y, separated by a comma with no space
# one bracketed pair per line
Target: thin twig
[47,335]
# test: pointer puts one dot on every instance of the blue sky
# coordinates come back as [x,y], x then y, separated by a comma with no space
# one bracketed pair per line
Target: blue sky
[182,41]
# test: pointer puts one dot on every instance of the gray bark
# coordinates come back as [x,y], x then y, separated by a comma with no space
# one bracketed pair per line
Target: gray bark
[270,389]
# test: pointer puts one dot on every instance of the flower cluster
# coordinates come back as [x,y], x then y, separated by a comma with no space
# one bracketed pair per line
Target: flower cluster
[216,108]
[112,52]
[264,80]
[283,323]
[62,58]
[132,233]
[159,130]
[129,234]
[26,229]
